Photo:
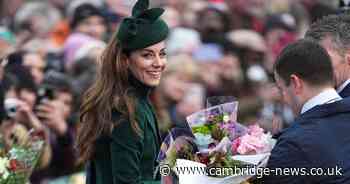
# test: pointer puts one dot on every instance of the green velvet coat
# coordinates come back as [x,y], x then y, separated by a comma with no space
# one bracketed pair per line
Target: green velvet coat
[124,157]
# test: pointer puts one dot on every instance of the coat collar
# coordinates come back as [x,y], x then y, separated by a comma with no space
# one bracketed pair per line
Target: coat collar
[148,111]
[140,89]
[328,109]
[345,90]
[343,86]
[142,92]
[320,111]
[327,96]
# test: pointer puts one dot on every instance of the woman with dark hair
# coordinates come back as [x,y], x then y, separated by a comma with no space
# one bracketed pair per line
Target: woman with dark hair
[118,134]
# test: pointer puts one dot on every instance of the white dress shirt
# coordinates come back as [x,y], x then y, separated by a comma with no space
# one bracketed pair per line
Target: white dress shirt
[327,96]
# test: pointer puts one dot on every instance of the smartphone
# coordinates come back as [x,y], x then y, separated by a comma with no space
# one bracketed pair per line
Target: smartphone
[44,93]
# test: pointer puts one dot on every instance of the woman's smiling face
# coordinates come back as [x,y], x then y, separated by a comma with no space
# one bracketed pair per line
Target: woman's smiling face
[148,64]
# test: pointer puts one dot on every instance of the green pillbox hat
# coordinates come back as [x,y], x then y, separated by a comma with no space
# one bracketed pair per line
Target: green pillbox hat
[144,28]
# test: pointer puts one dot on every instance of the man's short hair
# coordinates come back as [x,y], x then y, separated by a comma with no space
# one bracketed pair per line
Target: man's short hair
[336,27]
[306,59]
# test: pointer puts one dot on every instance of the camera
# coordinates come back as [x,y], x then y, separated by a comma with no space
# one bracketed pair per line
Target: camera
[11,106]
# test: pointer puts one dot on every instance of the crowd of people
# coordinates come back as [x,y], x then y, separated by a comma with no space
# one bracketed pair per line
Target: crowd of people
[50,52]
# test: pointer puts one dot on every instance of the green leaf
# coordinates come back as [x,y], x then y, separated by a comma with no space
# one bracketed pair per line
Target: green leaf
[202,129]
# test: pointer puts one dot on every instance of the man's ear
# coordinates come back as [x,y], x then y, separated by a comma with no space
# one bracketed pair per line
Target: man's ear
[347,58]
[296,83]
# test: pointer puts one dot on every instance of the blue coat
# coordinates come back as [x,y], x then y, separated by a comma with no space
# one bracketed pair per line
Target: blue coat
[319,138]
[345,92]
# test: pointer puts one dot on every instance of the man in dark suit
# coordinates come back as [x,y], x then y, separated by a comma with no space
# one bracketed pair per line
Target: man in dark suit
[333,33]
[316,147]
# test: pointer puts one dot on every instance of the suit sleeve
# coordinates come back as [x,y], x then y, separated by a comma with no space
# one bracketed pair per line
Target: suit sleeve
[126,151]
[287,164]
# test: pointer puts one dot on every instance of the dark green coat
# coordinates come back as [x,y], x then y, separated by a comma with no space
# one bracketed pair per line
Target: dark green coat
[125,157]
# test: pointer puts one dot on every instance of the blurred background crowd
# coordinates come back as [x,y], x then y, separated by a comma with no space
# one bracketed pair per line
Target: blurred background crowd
[49,51]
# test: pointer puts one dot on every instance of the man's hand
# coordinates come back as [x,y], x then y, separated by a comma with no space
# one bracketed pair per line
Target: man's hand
[26,116]
[52,115]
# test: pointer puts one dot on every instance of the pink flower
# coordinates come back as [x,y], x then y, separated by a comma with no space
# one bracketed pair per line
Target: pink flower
[250,145]
[235,145]
[254,142]
[255,130]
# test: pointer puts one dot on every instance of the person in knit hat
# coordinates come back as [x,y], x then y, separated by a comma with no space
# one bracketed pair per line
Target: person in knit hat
[89,20]
[87,25]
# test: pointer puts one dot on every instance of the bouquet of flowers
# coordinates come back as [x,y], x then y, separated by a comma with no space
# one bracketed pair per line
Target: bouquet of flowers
[215,141]
[18,161]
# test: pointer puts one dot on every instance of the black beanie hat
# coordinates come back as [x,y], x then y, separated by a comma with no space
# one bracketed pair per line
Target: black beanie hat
[84,11]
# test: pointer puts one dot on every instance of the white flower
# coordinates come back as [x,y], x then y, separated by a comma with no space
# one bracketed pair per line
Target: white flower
[226,118]
[4,163]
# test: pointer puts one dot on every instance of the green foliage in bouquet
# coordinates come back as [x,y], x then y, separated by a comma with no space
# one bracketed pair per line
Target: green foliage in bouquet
[212,126]
[182,148]
[204,129]
[220,118]
[217,133]
[222,160]
[17,164]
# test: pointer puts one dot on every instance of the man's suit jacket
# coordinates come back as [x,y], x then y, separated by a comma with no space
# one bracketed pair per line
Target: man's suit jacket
[345,92]
[319,138]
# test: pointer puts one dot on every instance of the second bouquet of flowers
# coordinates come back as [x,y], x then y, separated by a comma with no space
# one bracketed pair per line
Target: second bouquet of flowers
[215,149]
[18,161]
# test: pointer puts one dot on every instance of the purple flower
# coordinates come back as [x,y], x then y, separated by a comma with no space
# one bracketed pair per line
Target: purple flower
[229,129]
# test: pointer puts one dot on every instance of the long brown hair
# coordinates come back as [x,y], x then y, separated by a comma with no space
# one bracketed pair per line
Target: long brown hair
[111,90]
